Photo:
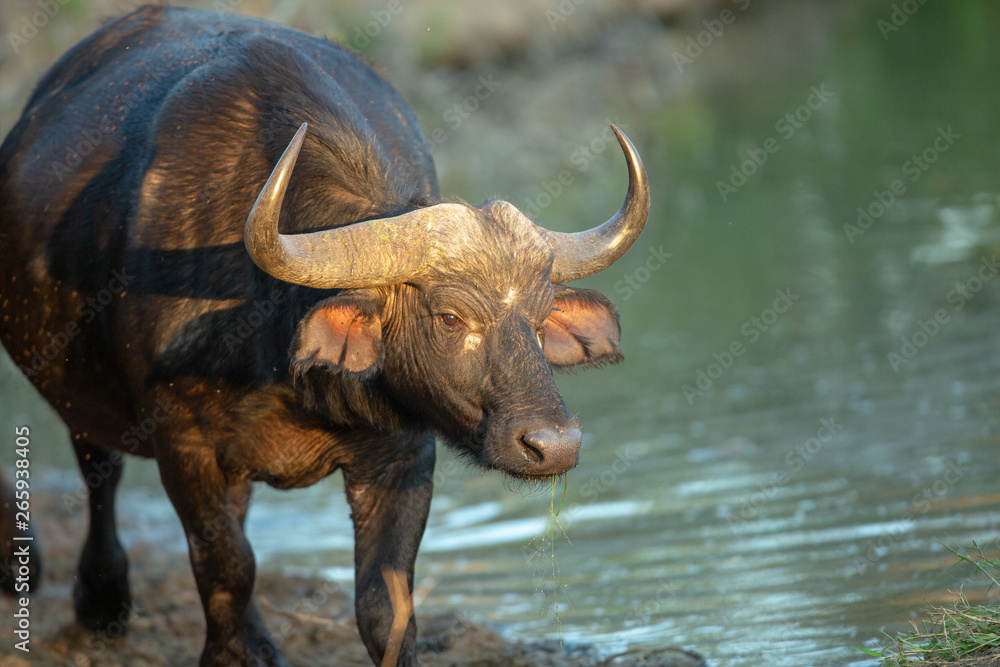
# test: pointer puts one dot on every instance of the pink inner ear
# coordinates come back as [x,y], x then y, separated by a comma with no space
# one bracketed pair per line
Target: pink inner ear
[579,331]
[341,335]
[561,347]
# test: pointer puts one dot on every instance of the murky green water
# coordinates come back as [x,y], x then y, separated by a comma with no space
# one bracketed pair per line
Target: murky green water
[807,411]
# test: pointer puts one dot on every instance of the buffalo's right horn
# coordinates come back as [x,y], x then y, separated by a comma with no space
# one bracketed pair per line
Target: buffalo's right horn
[585,253]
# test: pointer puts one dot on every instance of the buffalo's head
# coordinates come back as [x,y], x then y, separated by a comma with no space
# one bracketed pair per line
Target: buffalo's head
[457,313]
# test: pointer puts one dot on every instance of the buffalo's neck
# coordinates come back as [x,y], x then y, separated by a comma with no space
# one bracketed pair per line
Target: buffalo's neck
[267,434]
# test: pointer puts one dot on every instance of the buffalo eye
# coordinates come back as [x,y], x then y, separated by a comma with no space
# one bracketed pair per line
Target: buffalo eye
[450,320]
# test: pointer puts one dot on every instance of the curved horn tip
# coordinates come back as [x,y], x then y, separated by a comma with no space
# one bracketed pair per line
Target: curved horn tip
[278,180]
[296,143]
[276,183]
[260,234]
[585,253]
[625,142]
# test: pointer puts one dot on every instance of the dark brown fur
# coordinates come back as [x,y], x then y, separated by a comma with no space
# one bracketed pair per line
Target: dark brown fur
[129,301]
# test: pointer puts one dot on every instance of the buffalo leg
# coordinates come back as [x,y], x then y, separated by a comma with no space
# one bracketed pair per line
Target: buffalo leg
[390,496]
[101,594]
[212,509]
[260,646]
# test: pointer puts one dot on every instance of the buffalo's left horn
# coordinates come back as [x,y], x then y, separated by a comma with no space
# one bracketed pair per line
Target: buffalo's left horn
[585,253]
[365,254]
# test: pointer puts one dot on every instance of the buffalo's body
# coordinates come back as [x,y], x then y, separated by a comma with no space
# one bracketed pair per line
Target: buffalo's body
[145,147]
[129,300]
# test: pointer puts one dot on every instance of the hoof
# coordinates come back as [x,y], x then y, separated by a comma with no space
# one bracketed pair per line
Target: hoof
[107,609]
[102,598]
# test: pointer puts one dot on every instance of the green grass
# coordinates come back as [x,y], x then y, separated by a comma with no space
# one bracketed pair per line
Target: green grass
[541,552]
[956,635]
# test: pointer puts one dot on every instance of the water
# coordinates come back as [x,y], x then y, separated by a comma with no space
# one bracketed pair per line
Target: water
[797,499]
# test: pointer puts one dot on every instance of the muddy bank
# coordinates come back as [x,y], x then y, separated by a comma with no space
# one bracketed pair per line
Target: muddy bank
[312,619]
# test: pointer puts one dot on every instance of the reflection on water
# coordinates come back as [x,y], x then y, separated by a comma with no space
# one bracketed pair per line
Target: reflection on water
[768,479]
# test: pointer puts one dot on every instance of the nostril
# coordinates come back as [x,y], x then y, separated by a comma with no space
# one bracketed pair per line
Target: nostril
[532,446]
[551,449]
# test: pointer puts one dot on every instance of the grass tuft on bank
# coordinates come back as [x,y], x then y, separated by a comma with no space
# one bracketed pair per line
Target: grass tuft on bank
[956,635]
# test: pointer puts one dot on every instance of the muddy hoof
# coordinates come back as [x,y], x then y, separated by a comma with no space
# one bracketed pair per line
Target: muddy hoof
[103,606]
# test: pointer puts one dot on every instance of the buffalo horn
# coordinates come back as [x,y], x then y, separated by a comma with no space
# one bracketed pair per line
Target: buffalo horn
[365,254]
[582,254]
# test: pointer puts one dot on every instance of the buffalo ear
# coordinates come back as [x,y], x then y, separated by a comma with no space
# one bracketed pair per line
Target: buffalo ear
[344,334]
[582,329]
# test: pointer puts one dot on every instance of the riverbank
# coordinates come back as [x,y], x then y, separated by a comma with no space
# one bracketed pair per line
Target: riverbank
[311,618]
[955,635]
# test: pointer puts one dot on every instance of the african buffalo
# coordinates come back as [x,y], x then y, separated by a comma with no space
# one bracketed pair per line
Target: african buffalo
[226,250]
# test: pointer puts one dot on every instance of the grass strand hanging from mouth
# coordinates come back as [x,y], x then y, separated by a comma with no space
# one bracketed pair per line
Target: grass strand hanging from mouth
[555,479]
[550,531]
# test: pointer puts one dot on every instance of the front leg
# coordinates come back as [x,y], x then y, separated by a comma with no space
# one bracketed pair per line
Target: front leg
[389,489]
[212,508]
